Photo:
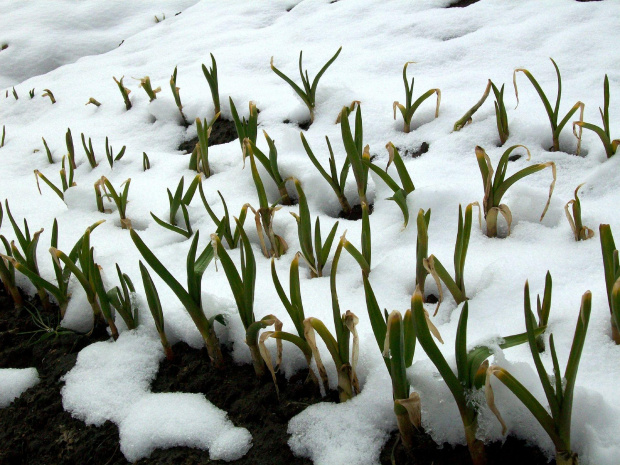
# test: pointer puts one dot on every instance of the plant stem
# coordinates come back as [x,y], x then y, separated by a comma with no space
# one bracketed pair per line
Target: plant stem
[213,347]
[615,333]
[257,360]
[475,446]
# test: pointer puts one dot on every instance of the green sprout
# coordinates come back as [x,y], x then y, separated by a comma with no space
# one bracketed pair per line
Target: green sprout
[611,266]
[501,116]
[362,258]
[224,224]
[304,231]
[270,163]
[191,298]
[15,94]
[336,182]
[60,290]
[70,148]
[410,108]
[264,215]
[243,286]
[152,298]
[176,201]
[356,152]
[146,163]
[119,199]
[544,309]
[123,300]
[31,93]
[396,341]
[7,269]
[93,101]
[455,285]
[295,309]
[211,77]
[339,346]
[495,188]
[145,83]
[66,182]
[398,352]
[109,151]
[308,93]
[89,277]
[90,153]
[47,151]
[400,192]
[471,368]
[603,133]
[3,136]
[580,231]
[47,93]
[552,113]
[177,96]
[245,128]
[421,249]
[199,160]
[124,92]
[556,421]
[27,257]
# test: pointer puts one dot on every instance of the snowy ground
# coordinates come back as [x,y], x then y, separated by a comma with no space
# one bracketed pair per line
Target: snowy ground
[73,49]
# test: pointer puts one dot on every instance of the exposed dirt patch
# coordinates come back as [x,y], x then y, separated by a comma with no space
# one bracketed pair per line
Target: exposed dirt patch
[414,152]
[304,125]
[35,429]
[356,212]
[512,452]
[462,3]
[223,131]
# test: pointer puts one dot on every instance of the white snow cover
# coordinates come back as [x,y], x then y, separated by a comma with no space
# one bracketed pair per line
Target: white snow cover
[181,419]
[14,382]
[111,381]
[455,50]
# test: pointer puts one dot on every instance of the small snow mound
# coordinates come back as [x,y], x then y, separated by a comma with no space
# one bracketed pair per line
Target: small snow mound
[181,419]
[320,432]
[109,377]
[14,382]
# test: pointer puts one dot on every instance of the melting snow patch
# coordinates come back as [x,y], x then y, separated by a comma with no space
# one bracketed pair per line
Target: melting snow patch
[351,432]
[14,381]
[181,419]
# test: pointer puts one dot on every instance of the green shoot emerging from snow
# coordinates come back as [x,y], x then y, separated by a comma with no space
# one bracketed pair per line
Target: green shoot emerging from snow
[552,113]
[495,188]
[308,93]
[556,420]
[124,92]
[211,77]
[611,266]
[580,231]
[410,107]
[603,133]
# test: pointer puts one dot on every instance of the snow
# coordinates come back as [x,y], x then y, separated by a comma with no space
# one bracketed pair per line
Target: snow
[14,382]
[72,49]
[181,419]
[111,381]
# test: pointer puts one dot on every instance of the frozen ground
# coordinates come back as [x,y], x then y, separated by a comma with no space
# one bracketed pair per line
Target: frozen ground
[73,50]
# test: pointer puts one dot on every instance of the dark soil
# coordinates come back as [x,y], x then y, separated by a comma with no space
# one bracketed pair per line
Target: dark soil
[223,131]
[512,452]
[304,125]
[35,430]
[414,153]
[356,212]
[462,3]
